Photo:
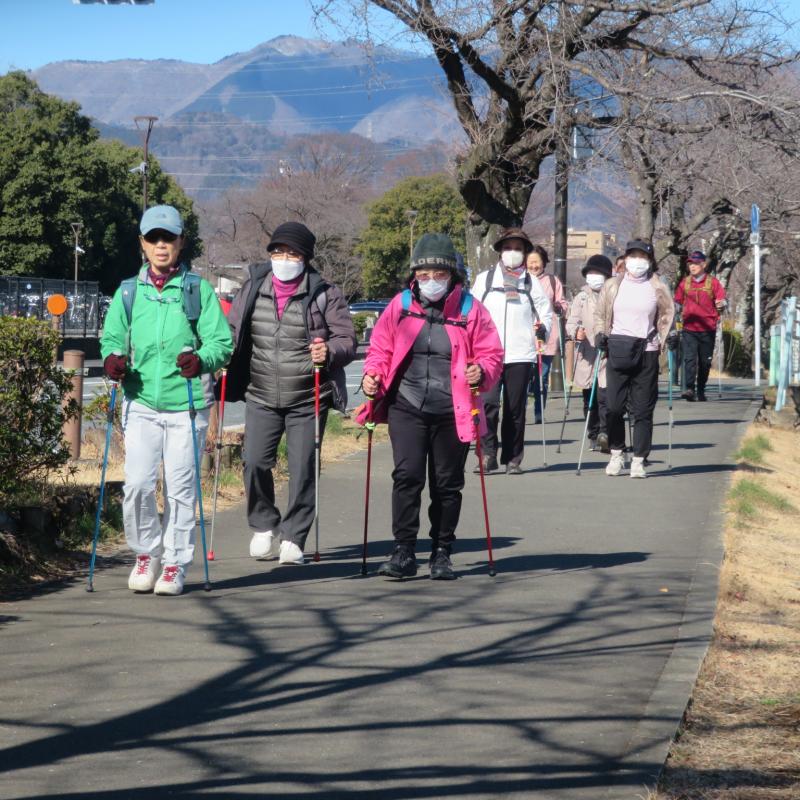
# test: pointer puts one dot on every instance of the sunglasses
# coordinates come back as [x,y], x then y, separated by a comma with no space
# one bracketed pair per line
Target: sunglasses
[437,275]
[153,237]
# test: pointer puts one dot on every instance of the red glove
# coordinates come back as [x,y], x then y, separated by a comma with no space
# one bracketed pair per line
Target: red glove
[190,364]
[115,366]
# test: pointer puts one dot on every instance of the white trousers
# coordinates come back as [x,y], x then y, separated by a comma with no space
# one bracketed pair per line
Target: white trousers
[150,438]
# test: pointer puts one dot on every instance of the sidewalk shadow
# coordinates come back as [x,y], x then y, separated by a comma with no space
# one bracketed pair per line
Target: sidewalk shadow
[560,562]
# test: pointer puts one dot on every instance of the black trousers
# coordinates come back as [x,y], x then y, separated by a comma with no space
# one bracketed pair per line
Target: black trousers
[597,413]
[698,349]
[263,428]
[423,444]
[514,383]
[639,389]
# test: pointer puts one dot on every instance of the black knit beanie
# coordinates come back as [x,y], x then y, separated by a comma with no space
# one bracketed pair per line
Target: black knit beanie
[434,250]
[600,264]
[296,236]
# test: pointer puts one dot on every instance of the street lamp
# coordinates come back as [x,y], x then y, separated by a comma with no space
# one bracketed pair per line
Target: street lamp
[412,216]
[76,229]
[150,120]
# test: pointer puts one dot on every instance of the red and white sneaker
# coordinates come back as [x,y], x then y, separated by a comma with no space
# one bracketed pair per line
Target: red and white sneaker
[143,575]
[171,580]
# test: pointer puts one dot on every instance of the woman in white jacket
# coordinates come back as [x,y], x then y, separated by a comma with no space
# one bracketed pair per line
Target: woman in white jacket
[521,312]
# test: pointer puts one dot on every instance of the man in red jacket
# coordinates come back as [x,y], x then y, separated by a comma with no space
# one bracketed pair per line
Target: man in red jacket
[702,298]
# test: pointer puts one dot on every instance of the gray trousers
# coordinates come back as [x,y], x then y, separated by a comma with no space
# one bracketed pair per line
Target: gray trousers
[262,433]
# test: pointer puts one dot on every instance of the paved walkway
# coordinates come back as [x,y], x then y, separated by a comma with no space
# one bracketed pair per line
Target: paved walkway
[563,677]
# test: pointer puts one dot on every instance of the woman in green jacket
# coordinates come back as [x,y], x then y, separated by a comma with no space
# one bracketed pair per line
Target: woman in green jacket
[157,336]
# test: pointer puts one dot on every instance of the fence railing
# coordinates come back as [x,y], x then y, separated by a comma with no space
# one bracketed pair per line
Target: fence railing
[784,362]
[27,297]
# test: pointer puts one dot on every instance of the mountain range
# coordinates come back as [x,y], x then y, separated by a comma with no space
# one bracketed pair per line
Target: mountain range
[228,124]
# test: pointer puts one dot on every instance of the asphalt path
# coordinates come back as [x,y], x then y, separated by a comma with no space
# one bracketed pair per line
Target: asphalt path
[563,677]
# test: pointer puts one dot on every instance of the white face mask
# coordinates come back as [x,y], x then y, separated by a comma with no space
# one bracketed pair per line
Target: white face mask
[637,267]
[595,281]
[512,258]
[285,270]
[434,290]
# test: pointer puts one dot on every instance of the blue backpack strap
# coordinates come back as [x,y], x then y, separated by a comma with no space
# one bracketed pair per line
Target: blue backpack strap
[128,289]
[406,299]
[191,296]
[466,304]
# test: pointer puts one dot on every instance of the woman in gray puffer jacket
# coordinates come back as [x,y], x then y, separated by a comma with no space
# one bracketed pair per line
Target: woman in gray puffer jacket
[285,319]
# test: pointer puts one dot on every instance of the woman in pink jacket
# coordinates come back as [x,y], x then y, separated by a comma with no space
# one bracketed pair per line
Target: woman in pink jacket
[553,288]
[430,348]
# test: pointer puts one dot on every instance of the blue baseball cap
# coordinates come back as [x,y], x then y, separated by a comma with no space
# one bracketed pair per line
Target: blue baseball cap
[697,257]
[162,218]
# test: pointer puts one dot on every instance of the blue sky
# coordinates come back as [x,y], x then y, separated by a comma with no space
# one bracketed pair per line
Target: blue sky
[36,32]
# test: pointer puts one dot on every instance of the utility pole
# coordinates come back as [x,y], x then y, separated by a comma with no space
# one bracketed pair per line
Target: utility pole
[76,229]
[412,216]
[146,139]
[755,240]
[560,234]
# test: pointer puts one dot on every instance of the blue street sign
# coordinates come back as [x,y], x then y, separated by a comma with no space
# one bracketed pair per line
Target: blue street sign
[755,218]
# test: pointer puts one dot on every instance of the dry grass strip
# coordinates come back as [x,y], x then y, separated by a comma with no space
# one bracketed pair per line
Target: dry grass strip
[740,739]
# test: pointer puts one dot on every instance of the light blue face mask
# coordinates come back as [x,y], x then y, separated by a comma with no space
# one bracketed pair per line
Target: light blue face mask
[434,290]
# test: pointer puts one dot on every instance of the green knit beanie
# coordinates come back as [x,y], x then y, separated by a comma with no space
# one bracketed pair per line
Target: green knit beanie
[434,250]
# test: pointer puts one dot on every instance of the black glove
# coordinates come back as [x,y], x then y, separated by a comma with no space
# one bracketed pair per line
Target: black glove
[541,332]
[601,342]
[673,340]
[115,366]
[190,364]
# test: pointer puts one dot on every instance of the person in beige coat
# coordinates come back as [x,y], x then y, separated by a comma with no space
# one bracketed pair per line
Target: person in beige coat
[580,327]
[633,318]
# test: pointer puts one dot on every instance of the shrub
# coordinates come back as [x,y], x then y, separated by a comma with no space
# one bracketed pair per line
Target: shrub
[360,323]
[737,357]
[32,404]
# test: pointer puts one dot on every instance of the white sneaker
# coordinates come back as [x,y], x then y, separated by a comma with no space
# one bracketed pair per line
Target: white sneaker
[637,468]
[291,554]
[261,544]
[616,464]
[143,575]
[171,580]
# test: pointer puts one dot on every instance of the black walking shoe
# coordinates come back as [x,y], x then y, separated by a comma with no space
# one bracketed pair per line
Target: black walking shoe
[489,465]
[688,395]
[441,565]
[701,397]
[602,442]
[401,564]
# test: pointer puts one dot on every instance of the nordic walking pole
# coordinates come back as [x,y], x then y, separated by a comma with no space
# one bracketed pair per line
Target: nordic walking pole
[669,403]
[569,395]
[196,448]
[541,400]
[317,368]
[720,347]
[561,356]
[370,426]
[477,422]
[110,423]
[217,454]
[591,400]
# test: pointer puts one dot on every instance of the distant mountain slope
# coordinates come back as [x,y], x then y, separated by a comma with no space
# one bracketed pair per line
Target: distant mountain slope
[289,85]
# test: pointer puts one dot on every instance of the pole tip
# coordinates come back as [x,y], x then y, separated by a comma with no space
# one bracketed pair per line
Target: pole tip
[211,555]
[316,558]
[577,472]
[207,586]
[492,572]
[364,571]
